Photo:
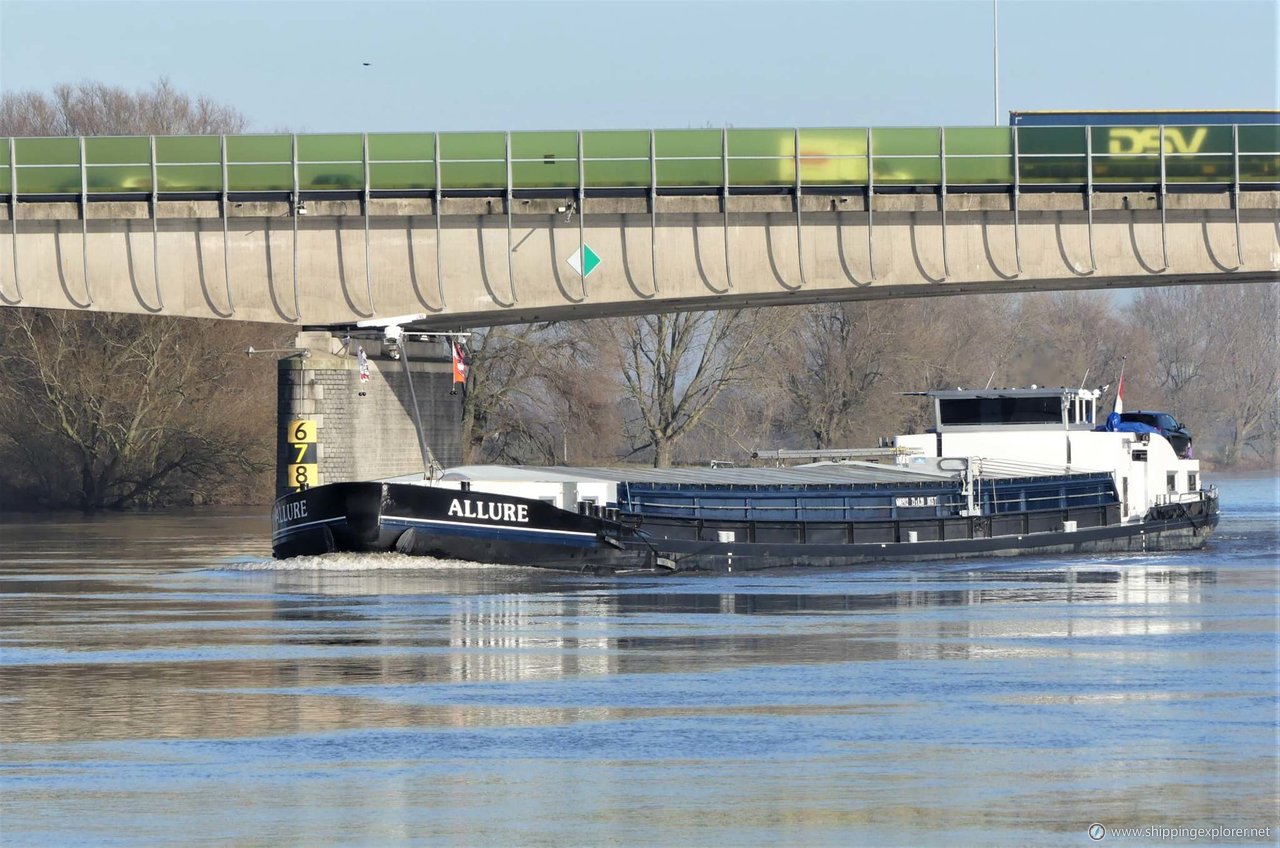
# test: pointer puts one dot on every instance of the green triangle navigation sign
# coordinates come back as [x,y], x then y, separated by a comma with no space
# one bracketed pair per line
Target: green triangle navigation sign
[584,261]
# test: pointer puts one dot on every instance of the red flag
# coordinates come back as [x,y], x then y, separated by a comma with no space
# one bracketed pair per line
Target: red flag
[460,365]
[1119,406]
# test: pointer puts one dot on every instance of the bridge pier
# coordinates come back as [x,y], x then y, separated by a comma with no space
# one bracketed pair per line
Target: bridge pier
[339,422]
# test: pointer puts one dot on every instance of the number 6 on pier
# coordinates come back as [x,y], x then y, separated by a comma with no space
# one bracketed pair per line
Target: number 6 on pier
[303,430]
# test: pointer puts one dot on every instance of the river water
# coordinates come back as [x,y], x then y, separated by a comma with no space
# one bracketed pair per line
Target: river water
[164,682]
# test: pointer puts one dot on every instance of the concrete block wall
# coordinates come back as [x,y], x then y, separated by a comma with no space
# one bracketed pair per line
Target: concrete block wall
[365,430]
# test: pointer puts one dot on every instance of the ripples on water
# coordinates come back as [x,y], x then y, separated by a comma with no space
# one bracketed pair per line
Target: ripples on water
[164,681]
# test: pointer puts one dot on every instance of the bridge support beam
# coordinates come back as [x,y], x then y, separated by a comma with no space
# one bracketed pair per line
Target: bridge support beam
[336,425]
[485,261]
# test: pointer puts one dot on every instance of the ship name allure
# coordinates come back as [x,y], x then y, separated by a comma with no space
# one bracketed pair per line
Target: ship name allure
[490,511]
[287,513]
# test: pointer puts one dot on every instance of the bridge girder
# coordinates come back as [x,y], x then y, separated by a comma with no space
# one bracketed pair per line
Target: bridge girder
[501,259]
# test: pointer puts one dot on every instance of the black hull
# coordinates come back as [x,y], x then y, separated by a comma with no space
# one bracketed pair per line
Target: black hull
[500,529]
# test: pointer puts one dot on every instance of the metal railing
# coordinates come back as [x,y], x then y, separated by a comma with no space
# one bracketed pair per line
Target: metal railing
[1233,156]
[882,529]
[948,499]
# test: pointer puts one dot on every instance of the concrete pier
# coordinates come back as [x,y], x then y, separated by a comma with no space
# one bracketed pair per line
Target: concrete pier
[335,426]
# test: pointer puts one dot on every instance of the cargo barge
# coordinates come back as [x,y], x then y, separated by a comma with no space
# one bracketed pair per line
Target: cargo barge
[1002,472]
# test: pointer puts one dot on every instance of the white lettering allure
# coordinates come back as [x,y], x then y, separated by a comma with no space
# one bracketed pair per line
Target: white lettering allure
[289,512]
[490,511]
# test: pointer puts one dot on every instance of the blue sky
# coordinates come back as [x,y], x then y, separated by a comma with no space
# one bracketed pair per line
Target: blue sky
[541,65]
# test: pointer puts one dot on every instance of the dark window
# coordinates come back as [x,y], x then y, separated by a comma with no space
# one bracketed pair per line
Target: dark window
[826,534]
[1140,417]
[780,532]
[1001,410]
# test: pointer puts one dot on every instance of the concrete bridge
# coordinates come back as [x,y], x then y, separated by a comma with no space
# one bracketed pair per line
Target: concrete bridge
[509,228]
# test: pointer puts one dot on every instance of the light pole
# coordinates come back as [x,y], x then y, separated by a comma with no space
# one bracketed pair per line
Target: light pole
[995,57]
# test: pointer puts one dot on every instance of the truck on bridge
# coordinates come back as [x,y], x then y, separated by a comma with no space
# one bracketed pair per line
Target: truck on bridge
[1141,117]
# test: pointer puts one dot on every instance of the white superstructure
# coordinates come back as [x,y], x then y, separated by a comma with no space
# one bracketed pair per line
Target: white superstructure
[1056,427]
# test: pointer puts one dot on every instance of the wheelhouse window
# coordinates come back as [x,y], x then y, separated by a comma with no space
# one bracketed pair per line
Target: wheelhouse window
[1080,410]
[1193,481]
[953,412]
[1171,482]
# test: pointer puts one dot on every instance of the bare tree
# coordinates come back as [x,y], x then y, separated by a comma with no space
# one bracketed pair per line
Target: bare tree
[1245,367]
[674,367]
[582,399]
[94,108]
[1066,338]
[840,355]
[507,416]
[106,411]
[1213,357]
[848,363]
[1182,344]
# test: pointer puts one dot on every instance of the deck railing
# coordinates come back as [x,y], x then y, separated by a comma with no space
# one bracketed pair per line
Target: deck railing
[945,502]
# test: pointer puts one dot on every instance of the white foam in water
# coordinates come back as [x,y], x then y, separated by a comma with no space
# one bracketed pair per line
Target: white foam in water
[358,562]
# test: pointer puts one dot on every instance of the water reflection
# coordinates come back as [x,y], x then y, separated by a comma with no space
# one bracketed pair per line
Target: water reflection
[330,651]
[514,638]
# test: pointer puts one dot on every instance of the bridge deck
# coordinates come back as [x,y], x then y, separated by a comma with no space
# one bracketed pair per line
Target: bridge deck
[738,160]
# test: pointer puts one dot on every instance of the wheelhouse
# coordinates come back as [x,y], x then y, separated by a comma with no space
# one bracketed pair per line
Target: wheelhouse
[1058,408]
